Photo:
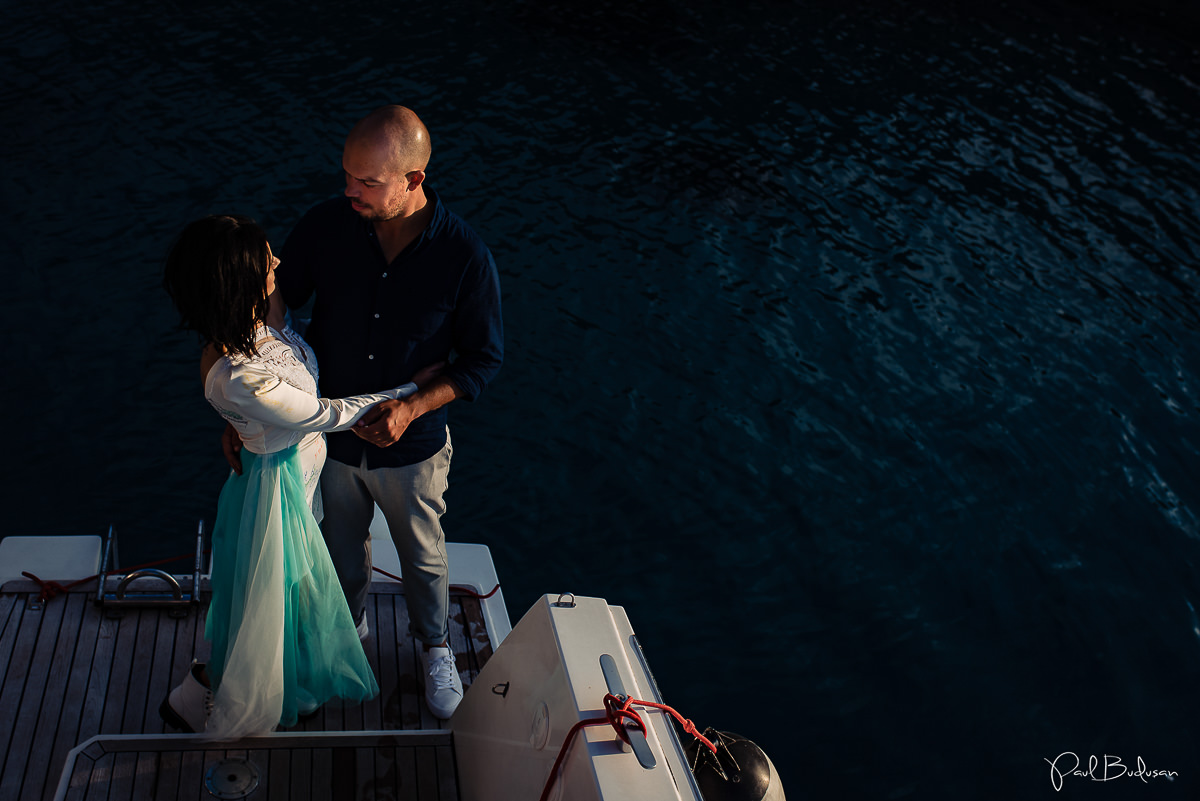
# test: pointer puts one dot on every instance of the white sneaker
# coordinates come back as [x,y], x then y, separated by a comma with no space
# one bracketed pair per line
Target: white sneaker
[189,705]
[306,705]
[443,687]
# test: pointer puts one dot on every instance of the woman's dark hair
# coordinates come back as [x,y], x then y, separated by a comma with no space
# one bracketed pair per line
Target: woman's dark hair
[216,274]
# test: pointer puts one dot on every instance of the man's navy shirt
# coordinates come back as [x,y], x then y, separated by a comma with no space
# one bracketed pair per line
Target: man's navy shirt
[375,324]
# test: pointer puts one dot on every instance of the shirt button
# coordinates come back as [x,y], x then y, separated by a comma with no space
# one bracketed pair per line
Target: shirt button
[385,275]
[377,317]
[372,356]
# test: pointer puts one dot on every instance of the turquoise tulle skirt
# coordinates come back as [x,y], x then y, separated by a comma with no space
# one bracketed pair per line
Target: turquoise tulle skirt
[283,640]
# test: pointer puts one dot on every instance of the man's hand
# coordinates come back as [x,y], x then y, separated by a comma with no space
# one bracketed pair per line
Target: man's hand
[386,421]
[231,444]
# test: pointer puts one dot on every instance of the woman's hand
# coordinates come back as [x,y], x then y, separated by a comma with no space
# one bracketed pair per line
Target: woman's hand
[231,446]
[428,373]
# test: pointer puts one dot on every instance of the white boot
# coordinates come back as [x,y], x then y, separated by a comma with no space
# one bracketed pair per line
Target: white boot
[189,705]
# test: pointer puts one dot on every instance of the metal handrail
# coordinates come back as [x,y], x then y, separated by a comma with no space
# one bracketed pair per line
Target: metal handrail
[125,597]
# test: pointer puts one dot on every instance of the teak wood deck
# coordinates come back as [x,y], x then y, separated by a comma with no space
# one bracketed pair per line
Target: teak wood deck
[69,672]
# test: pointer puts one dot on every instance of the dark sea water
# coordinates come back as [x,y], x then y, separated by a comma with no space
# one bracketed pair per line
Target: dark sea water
[852,348]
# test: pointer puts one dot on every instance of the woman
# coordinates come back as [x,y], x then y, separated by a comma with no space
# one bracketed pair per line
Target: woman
[283,641]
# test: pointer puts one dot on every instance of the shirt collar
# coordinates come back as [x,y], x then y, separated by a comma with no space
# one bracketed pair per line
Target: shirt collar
[436,221]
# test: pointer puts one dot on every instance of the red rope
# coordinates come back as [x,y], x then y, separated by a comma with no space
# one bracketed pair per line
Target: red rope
[615,711]
[53,588]
[465,590]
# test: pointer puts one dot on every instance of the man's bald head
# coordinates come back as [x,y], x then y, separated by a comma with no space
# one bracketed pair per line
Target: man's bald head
[398,131]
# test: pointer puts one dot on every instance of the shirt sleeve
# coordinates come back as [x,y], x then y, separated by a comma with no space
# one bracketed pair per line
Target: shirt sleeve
[265,398]
[479,331]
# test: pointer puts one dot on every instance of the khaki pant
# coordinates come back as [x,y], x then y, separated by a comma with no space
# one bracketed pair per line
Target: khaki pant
[410,498]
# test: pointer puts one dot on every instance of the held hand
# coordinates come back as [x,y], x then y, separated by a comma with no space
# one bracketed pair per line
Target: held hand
[231,445]
[385,422]
[428,373]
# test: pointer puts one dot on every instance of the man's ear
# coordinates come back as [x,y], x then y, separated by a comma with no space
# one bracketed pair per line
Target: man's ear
[415,178]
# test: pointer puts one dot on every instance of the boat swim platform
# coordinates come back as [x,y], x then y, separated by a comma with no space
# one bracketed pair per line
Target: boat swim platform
[72,675]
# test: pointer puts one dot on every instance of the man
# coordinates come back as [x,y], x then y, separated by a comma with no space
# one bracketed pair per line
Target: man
[401,282]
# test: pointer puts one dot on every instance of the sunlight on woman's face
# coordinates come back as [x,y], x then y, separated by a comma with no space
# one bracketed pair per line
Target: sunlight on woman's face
[271,271]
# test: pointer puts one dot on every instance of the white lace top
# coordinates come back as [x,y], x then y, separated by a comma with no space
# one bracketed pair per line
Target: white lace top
[272,399]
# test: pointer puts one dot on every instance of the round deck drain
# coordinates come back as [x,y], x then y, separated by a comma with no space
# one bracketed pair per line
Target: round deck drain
[231,778]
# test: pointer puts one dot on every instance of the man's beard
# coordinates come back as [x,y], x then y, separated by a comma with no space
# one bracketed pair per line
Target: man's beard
[373,214]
